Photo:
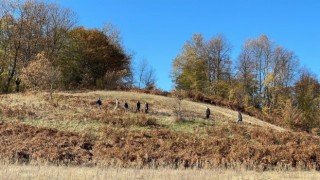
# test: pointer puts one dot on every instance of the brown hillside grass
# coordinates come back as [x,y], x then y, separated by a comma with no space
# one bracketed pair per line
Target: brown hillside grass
[14,172]
[24,144]
[226,146]
[72,130]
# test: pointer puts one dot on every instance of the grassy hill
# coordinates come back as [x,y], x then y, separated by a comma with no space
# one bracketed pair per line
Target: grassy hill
[71,130]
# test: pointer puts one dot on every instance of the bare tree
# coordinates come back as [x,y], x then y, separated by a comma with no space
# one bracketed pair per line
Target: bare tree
[149,79]
[285,67]
[146,75]
[177,107]
[246,76]
[141,69]
[266,70]
[218,60]
[59,22]
[113,33]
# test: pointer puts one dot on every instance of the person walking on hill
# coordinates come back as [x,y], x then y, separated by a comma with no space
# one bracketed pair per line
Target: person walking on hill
[117,105]
[138,106]
[18,82]
[239,117]
[208,112]
[99,103]
[146,108]
[126,106]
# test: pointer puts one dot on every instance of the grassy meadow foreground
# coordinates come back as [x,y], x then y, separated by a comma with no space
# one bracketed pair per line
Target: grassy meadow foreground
[13,172]
[70,130]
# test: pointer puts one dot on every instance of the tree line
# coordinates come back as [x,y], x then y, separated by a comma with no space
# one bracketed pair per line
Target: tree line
[41,47]
[265,76]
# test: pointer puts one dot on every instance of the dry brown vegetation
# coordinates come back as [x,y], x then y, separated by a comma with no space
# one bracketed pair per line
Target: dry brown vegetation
[14,172]
[72,130]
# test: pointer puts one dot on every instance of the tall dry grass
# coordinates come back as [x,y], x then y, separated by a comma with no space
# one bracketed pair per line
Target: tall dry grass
[16,172]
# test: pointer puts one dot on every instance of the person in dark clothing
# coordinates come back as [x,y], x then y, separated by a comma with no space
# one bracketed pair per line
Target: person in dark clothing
[239,117]
[146,108]
[208,113]
[138,106]
[126,106]
[99,103]
[18,81]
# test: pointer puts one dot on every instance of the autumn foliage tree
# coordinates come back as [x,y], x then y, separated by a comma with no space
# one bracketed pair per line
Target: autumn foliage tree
[203,66]
[88,58]
[91,59]
[307,90]
[267,72]
[26,29]
[40,74]
[265,79]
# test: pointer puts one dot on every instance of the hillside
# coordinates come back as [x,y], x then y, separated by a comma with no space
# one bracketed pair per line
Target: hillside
[72,130]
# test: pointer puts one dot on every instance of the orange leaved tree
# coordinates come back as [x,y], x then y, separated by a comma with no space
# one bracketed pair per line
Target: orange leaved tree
[40,74]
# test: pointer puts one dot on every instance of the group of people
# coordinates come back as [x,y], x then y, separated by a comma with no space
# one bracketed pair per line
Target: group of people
[126,106]
[146,108]
[208,112]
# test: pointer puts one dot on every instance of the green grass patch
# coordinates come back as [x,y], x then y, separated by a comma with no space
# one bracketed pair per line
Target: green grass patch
[194,125]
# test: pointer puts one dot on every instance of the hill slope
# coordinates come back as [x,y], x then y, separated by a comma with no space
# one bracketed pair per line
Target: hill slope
[72,130]
[161,104]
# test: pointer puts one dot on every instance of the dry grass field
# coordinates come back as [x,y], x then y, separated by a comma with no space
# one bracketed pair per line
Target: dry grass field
[75,107]
[97,143]
[15,172]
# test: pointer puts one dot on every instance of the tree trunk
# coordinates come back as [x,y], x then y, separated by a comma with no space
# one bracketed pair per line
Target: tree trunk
[11,73]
